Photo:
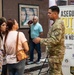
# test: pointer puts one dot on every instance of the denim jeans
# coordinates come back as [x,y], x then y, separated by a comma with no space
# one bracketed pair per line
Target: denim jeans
[4,70]
[37,48]
[16,69]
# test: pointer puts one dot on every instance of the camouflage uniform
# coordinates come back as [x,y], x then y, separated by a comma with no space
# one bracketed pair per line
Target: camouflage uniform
[55,46]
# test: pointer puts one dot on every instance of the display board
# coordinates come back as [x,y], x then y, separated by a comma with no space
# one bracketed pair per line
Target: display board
[67,15]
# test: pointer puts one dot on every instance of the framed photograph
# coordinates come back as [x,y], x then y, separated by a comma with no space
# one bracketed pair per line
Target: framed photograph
[26,13]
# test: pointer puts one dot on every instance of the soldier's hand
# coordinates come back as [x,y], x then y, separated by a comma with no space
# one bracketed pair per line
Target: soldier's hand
[36,40]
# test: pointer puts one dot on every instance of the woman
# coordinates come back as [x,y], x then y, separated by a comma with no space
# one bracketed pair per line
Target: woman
[2,31]
[23,17]
[14,67]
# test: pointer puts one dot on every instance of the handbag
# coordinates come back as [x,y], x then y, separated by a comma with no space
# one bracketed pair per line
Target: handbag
[20,54]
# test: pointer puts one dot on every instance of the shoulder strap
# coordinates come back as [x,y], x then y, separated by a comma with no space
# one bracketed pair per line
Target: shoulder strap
[17,41]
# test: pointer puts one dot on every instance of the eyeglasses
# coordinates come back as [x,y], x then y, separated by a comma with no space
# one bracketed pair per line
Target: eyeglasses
[34,19]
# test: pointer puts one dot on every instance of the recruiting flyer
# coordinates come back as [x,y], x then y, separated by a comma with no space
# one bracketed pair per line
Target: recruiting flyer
[67,15]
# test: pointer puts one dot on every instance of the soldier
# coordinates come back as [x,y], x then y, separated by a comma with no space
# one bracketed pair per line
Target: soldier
[54,41]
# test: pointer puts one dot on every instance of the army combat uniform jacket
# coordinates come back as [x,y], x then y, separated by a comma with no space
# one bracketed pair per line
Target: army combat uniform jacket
[55,46]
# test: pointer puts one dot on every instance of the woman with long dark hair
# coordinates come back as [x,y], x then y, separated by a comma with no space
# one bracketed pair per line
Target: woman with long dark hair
[14,66]
[2,34]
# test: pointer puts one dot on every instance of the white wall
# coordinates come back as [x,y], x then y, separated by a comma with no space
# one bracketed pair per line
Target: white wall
[52,2]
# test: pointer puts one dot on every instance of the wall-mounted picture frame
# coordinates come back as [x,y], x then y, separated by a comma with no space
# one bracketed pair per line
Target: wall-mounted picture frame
[26,13]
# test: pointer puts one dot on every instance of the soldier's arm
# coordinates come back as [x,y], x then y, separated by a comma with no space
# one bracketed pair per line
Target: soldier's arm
[55,37]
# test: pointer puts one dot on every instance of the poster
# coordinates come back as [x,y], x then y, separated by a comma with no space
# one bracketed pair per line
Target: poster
[67,15]
[26,13]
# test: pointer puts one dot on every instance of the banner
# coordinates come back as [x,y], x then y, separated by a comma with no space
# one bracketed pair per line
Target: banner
[67,15]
